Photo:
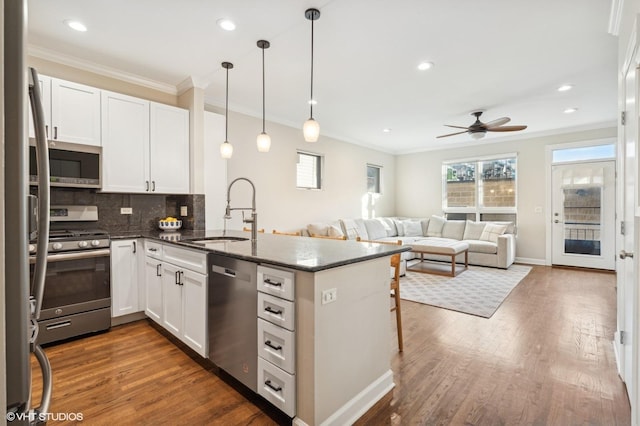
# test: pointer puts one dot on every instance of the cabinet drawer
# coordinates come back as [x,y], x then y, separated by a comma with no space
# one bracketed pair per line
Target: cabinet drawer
[276,281]
[277,387]
[277,311]
[190,259]
[277,345]
[153,249]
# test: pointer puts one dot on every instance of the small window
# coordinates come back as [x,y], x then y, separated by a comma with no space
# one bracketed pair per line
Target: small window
[309,171]
[373,179]
[584,153]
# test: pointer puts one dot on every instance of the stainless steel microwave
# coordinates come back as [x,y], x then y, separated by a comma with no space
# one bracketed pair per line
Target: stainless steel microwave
[70,165]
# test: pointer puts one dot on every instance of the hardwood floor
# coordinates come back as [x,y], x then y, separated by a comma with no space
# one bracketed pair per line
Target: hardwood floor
[544,358]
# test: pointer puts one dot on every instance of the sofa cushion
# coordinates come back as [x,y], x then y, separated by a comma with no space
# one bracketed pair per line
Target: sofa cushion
[354,228]
[425,225]
[399,227]
[334,231]
[434,229]
[412,228]
[318,229]
[389,226]
[478,246]
[511,227]
[473,230]
[453,229]
[375,229]
[492,231]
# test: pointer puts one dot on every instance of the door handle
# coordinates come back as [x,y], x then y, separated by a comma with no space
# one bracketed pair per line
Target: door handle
[556,221]
[625,254]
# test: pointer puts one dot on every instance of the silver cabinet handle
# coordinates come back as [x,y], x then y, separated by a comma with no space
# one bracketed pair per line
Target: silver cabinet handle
[625,254]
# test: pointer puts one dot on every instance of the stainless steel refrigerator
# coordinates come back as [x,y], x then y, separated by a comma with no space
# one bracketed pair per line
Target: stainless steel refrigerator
[23,297]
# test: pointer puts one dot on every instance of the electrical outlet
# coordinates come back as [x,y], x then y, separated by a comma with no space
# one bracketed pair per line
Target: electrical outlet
[329,296]
[126,210]
[183,211]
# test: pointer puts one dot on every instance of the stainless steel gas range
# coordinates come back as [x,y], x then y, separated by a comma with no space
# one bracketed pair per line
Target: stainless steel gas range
[77,290]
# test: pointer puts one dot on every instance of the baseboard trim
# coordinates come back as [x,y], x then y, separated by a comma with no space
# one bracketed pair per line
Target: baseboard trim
[359,404]
[530,261]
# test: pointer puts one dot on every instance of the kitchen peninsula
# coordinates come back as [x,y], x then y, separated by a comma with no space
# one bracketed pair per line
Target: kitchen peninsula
[340,329]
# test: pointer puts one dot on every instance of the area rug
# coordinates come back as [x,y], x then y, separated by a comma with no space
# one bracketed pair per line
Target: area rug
[476,291]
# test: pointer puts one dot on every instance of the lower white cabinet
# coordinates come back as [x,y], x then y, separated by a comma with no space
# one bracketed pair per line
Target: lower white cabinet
[177,297]
[124,277]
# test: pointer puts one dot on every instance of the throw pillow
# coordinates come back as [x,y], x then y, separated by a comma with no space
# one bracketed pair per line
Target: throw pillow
[399,227]
[436,223]
[334,231]
[350,228]
[412,228]
[389,226]
[492,232]
[318,229]
[375,229]
[473,230]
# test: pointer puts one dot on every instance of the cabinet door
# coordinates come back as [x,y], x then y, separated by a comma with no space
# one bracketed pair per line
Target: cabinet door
[125,150]
[124,277]
[194,304]
[45,92]
[172,299]
[169,153]
[153,289]
[75,113]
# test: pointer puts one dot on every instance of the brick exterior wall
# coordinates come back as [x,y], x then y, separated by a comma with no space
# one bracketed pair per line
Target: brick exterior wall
[497,193]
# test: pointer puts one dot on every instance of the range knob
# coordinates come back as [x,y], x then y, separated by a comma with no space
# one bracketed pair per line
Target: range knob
[56,246]
[95,243]
[82,244]
[32,248]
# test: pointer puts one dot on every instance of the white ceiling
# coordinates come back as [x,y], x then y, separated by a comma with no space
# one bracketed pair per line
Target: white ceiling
[504,56]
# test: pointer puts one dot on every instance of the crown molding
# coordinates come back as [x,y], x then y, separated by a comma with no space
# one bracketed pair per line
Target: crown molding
[71,61]
[195,82]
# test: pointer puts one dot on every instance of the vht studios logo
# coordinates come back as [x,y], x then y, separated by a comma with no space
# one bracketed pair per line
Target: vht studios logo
[45,417]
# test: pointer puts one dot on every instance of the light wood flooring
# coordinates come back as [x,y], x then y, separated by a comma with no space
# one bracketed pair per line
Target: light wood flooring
[544,358]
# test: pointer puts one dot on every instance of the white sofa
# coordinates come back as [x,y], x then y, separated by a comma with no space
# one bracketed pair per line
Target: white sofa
[490,243]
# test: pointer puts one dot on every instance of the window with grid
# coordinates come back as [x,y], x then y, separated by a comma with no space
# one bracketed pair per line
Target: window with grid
[309,171]
[373,178]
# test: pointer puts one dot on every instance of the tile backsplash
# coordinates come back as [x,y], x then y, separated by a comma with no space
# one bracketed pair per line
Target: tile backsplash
[147,209]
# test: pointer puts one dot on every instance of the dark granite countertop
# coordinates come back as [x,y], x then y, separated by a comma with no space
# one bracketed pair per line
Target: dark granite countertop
[301,253]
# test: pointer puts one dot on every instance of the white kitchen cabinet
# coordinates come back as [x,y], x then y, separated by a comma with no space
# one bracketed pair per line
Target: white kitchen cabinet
[125,151]
[145,146]
[124,277]
[153,288]
[169,149]
[172,303]
[71,111]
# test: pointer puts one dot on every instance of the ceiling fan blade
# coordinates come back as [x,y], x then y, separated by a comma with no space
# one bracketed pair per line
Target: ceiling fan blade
[451,134]
[456,127]
[497,122]
[507,129]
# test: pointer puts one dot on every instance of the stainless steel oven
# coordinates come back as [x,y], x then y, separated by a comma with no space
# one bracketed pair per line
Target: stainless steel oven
[77,289]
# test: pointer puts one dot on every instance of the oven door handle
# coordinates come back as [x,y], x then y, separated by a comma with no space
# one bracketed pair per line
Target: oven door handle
[74,255]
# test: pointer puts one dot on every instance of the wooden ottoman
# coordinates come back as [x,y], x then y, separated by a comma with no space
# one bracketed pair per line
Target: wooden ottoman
[444,248]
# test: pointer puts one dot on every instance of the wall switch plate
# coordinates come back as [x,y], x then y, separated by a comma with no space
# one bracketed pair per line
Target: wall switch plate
[126,210]
[183,211]
[329,296]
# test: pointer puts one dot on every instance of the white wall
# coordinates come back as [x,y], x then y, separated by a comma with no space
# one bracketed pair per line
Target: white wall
[419,182]
[279,204]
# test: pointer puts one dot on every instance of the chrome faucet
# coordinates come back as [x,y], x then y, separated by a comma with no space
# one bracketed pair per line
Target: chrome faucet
[253,220]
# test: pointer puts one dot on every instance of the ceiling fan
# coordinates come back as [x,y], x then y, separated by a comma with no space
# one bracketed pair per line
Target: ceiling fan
[478,129]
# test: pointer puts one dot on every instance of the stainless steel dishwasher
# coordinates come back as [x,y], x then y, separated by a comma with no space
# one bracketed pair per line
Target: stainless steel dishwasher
[233,330]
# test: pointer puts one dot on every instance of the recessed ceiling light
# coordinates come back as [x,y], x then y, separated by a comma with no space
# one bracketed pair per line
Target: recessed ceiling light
[386,130]
[226,24]
[565,87]
[76,25]
[570,110]
[423,66]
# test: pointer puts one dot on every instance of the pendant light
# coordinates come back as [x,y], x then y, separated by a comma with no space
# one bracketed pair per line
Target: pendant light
[311,128]
[226,149]
[264,140]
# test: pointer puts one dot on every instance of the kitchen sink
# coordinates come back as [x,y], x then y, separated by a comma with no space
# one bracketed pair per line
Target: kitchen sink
[225,239]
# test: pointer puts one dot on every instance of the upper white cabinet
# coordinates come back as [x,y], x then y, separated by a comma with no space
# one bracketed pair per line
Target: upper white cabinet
[169,149]
[145,146]
[71,111]
[125,151]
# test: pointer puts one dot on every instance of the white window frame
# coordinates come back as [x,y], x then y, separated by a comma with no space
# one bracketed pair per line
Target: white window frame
[319,158]
[379,179]
[479,209]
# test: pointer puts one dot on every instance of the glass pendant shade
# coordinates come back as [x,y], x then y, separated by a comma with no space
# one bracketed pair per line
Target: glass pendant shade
[311,130]
[477,135]
[263,142]
[226,150]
